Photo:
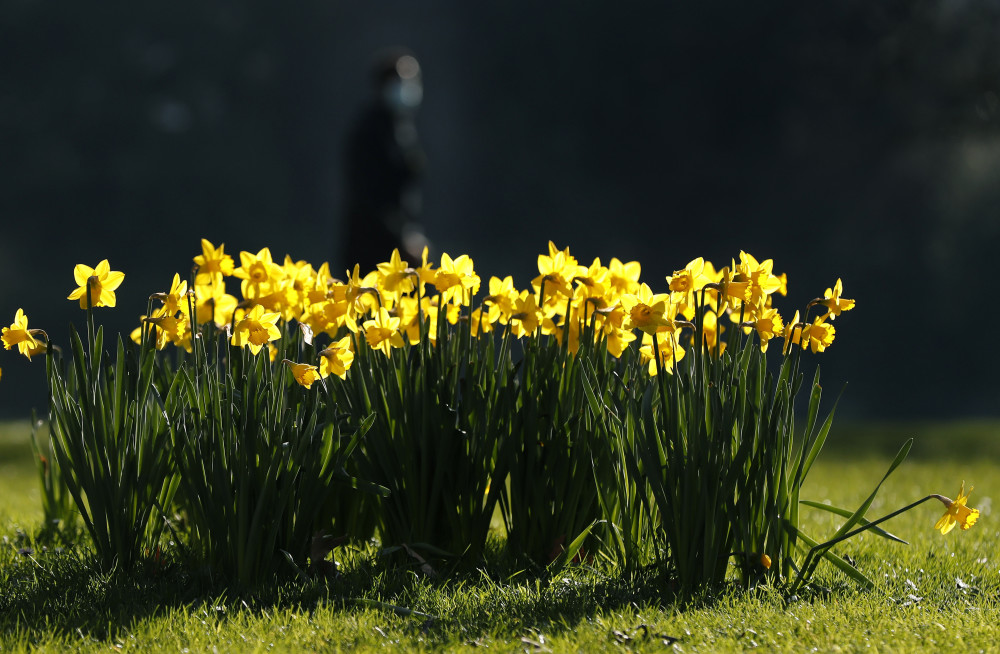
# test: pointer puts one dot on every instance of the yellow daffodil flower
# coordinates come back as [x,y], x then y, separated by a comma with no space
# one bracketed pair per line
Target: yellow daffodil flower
[734,289]
[711,330]
[688,280]
[762,281]
[556,271]
[670,351]
[456,280]
[646,311]
[320,285]
[18,334]
[617,340]
[258,272]
[958,513]
[176,330]
[101,282]
[834,303]
[526,316]
[213,264]
[336,359]
[479,322]
[425,272]
[382,332]
[592,281]
[395,277]
[768,324]
[623,277]
[793,333]
[305,374]
[175,299]
[431,311]
[327,316]
[818,336]
[213,304]
[783,280]
[361,296]
[256,329]
[500,301]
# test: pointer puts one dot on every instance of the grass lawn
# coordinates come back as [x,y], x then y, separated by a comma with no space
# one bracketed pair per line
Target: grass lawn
[939,593]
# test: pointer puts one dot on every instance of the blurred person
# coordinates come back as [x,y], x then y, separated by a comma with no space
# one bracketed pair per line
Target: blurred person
[384,166]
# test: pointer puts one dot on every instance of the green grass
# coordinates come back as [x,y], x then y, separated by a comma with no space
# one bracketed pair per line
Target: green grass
[939,593]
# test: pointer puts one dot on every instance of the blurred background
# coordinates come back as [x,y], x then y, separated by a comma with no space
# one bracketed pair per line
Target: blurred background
[852,139]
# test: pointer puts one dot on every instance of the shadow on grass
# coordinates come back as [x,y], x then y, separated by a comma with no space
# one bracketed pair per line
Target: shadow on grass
[59,592]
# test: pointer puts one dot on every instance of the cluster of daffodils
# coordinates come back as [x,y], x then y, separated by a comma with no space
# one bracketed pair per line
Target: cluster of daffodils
[400,303]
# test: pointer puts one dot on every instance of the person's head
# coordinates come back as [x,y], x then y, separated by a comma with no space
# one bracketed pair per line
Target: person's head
[397,80]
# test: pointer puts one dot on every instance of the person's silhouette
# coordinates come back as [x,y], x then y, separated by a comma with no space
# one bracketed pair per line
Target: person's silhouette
[384,165]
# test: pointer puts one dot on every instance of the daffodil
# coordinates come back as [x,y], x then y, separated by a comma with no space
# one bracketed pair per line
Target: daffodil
[783,280]
[688,280]
[337,358]
[623,277]
[213,304]
[279,296]
[305,374]
[818,336]
[500,301]
[734,289]
[711,330]
[382,332]
[479,322]
[958,513]
[668,348]
[176,330]
[18,334]
[525,317]
[834,303]
[645,311]
[395,277]
[258,272]
[175,299]
[101,282]
[768,324]
[617,340]
[410,315]
[431,311]
[256,329]
[761,280]
[592,281]
[321,285]
[425,272]
[213,263]
[456,280]
[327,316]
[361,296]
[556,272]
[793,333]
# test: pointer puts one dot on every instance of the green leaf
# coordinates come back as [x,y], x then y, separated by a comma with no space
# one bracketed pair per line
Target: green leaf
[861,510]
[571,551]
[846,513]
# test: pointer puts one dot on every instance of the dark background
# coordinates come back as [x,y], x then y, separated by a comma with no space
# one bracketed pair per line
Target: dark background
[850,139]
